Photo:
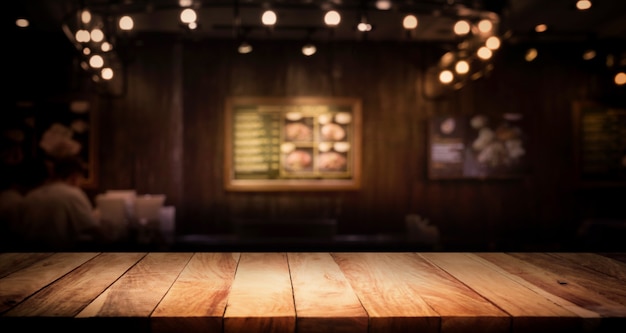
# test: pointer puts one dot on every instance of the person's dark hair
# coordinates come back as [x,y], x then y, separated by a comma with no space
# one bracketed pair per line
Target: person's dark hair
[65,167]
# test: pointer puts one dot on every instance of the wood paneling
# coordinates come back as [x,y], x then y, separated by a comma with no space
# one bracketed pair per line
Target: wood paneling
[165,136]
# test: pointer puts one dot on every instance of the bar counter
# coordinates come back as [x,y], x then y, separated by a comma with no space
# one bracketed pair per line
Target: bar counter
[312,292]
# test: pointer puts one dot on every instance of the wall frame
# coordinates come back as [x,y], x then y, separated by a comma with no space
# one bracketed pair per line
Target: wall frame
[292,144]
[599,142]
[477,146]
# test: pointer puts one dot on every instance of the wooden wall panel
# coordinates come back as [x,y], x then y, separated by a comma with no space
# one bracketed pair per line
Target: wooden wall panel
[389,78]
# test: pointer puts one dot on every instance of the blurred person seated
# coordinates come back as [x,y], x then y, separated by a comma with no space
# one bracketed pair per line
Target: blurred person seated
[58,215]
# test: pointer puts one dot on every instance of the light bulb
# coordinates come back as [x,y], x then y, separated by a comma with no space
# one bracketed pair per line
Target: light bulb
[268,18]
[188,15]
[446,76]
[332,18]
[309,49]
[461,27]
[126,23]
[409,22]
[96,61]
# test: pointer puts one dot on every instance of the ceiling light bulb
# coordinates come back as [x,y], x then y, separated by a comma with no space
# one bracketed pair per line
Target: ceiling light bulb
[620,78]
[541,28]
[22,23]
[85,16]
[188,15]
[185,3]
[484,53]
[86,51]
[244,48]
[268,18]
[364,27]
[126,23]
[96,61]
[106,47]
[446,76]
[332,18]
[531,54]
[485,26]
[192,25]
[106,73]
[583,4]
[383,4]
[97,35]
[82,36]
[462,67]
[589,54]
[493,43]
[309,49]
[461,27]
[409,22]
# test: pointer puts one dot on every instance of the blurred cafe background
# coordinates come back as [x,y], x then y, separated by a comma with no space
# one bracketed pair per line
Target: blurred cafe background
[384,124]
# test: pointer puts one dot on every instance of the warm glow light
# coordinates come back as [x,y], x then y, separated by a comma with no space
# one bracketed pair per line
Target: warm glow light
[332,18]
[185,3]
[188,15]
[589,54]
[583,4]
[86,51]
[531,54]
[97,35]
[446,76]
[244,48]
[485,26]
[126,23]
[462,67]
[461,27]
[484,53]
[268,18]
[620,78]
[192,26]
[82,36]
[541,28]
[85,16]
[409,22]
[106,47]
[364,27]
[493,43]
[106,73]
[383,4]
[96,61]
[309,50]
[22,23]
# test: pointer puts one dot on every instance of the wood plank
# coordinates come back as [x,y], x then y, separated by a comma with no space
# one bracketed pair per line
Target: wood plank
[325,301]
[402,292]
[131,299]
[596,262]
[531,311]
[599,312]
[619,256]
[608,286]
[14,261]
[197,300]
[21,284]
[260,297]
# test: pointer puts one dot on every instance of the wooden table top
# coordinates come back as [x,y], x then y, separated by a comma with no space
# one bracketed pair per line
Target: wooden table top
[313,292]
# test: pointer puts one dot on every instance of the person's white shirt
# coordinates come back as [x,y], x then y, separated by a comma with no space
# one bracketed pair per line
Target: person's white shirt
[58,216]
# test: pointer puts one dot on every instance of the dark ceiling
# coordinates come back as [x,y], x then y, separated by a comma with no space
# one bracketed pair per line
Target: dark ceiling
[606,20]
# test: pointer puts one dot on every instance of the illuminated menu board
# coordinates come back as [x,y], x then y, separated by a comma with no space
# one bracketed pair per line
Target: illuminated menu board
[302,143]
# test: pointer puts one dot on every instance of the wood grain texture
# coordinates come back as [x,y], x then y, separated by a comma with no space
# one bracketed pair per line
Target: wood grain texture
[67,296]
[531,312]
[196,302]
[588,304]
[596,262]
[137,292]
[15,287]
[260,298]
[610,287]
[12,262]
[325,300]
[460,308]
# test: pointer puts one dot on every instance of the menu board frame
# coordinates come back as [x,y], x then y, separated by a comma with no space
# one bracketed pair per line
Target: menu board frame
[314,177]
[610,178]
[463,147]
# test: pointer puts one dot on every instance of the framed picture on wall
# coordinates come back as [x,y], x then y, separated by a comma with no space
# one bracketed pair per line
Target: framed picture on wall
[599,136]
[60,127]
[477,146]
[297,144]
